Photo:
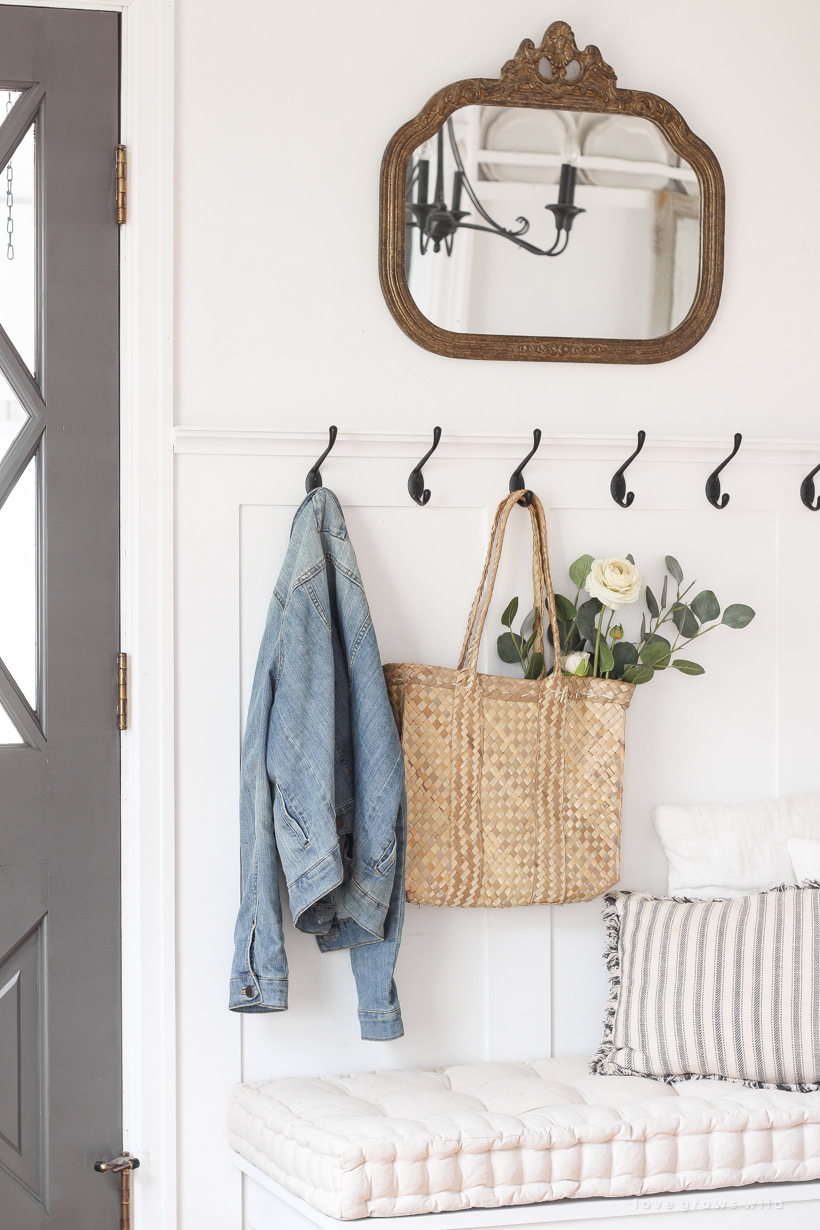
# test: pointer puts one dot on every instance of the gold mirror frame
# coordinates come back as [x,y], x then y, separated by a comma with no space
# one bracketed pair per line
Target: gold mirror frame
[522,85]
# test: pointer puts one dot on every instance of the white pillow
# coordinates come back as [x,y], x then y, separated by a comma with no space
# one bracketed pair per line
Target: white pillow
[805,855]
[716,850]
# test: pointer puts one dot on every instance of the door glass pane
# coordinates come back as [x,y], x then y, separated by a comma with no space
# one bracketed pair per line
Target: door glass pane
[18,569]
[17,308]
[7,100]
[12,416]
[8,731]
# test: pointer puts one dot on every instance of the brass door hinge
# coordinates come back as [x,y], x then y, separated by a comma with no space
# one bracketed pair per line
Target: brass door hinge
[122,185]
[122,691]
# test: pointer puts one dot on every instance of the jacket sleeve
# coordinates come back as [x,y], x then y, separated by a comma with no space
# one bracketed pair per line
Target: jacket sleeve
[259,975]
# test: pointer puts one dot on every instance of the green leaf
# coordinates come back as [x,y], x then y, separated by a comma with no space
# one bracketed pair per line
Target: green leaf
[529,623]
[737,615]
[507,650]
[684,620]
[663,591]
[705,606]
[687,668]
[579,571]
[643,627]
[529,644]
[652,603]
[655,639]
[638,674]
[605,658]
[509,614]
[564,609]
[582,668]
[655,654]
[587,615]
[625,654]
[535,668]
[631,559]
[674,568]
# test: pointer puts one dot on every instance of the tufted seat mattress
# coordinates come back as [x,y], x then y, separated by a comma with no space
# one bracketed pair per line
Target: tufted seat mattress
[485,1135]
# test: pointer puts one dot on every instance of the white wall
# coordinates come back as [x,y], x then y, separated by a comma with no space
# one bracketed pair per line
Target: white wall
[280,317]
[281,327]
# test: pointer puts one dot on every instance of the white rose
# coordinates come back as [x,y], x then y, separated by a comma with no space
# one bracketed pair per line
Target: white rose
[614,582]
[573,663]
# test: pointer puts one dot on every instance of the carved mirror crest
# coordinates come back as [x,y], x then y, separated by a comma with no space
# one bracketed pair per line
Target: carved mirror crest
[551,216]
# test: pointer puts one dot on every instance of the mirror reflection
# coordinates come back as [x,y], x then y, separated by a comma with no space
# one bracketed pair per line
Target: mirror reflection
[552,223]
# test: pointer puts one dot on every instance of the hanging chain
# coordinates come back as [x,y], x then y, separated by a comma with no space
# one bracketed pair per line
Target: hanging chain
[9,200]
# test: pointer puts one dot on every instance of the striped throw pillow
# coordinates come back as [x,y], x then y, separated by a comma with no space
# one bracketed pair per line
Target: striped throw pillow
[726,989]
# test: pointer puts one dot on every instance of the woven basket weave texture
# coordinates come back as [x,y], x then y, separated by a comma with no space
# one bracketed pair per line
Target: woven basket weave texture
[513,786]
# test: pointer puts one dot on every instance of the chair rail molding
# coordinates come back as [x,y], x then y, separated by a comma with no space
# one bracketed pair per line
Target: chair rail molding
[232,442]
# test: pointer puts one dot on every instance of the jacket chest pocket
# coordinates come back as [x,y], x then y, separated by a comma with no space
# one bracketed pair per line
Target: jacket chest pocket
[286,814]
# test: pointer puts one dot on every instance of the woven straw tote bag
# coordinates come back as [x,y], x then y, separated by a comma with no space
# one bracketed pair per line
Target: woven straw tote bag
[513,785]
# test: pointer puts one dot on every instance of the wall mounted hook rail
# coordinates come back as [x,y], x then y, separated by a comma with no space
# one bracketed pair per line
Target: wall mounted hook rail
[713,481]
[617,488]
[807,491]
[517,477]
[415,483]
[314,477]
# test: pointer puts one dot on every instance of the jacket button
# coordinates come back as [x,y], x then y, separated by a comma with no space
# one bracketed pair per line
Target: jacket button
[339,822]
[249,991]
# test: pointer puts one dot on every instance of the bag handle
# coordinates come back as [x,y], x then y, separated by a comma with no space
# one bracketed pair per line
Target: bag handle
[540,577]
[478,613]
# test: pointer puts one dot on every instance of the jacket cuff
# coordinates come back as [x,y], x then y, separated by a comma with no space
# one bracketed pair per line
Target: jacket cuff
[381,1026]
[269,994]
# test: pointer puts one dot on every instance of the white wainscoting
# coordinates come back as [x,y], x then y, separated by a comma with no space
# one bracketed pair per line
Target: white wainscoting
[474,984]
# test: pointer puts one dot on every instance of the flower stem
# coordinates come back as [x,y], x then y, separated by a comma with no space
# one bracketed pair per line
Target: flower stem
[598,643]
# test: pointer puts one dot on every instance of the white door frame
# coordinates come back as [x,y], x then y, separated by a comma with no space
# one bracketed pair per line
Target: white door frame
[147,416]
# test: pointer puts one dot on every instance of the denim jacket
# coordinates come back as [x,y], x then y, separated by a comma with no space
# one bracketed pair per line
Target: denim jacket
[322,782]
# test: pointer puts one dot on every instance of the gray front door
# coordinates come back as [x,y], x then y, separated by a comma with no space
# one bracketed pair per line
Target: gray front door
[60,1051]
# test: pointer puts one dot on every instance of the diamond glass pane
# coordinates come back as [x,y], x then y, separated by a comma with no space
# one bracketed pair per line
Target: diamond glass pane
[17,246]
[8,731]
[7,100]
[18,569]
[12,416]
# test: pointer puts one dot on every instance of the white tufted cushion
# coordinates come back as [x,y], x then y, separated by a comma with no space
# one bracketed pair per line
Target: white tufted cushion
[384,1144]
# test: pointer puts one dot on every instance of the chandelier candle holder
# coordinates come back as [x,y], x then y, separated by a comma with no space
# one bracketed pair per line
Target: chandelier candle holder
[438,224]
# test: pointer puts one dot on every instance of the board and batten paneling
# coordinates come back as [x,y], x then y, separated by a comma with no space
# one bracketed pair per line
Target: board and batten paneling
[474,984]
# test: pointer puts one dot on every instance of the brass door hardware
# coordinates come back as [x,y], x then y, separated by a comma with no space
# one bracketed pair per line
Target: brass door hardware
[124,1166]
[122,185]
[122,691]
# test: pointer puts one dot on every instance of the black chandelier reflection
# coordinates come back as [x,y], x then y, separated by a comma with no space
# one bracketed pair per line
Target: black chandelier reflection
[438,224]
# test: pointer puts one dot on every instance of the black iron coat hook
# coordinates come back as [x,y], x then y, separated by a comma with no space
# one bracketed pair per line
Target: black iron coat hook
[314,477]
[713,481]
[617,488]
[517,478]
[415,483]
[807,491]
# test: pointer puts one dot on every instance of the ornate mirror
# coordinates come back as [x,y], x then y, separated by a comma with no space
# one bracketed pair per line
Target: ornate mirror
[550,215]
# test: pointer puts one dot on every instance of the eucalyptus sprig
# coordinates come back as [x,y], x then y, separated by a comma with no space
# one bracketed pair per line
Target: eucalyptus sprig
[691,620]
[518,646]
[590,645]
